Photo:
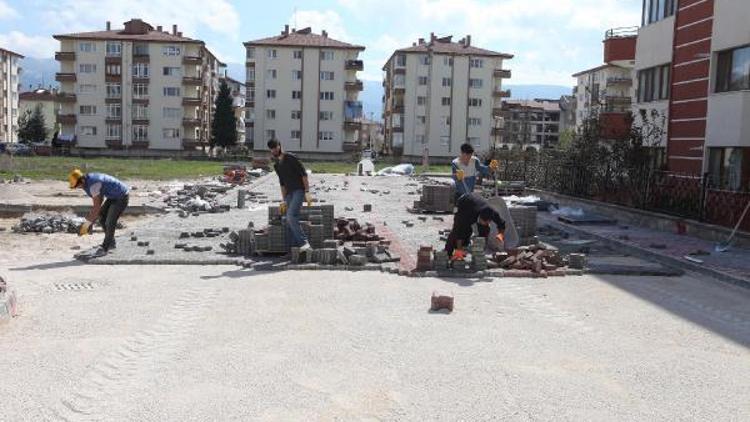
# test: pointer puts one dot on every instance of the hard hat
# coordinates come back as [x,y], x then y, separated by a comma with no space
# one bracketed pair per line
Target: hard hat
[74,177]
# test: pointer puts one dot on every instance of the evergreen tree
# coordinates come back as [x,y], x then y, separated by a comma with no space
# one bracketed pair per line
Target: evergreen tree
[31,126]
[224,124]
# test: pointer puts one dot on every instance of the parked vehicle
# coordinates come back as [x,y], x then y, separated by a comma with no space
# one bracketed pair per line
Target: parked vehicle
[17,149]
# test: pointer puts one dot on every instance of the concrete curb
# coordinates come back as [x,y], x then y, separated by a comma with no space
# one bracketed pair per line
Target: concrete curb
[662,259]
[8,306]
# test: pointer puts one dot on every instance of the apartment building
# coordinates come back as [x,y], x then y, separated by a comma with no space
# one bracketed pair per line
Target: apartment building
[440,94]
[530,124]
[10,74]
[136,90]
[239,95]
[46,99]
[303,90]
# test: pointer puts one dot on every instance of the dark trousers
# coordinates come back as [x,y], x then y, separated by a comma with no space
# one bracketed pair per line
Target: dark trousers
[109,215]
[450,244]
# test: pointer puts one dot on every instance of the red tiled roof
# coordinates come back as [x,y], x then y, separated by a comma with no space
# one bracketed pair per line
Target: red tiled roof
[442,47]
[150,35]
[303,38]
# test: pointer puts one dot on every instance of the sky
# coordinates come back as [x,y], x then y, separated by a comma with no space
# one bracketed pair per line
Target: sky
[551,39]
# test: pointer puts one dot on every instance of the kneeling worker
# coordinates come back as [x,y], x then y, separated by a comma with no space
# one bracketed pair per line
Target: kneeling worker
[110,198]
[471,209]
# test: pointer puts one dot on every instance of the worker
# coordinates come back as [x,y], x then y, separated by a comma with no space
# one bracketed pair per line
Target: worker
[466,169]
[472,209]
[110,197]
[295,188]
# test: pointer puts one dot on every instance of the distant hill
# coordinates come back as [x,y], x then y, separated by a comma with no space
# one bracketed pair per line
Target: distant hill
[529,92]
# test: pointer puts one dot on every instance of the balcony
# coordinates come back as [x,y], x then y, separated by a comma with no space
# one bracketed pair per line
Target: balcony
[67,119]
[65,56]
[113,60]
[190,121]
[113,119]
[399,71]
[112,100]
[502,73]
[191,101]
[397,129]
[354,86]
[141,57]
[113,143]
[191,80]
[249,124]
[65,77]
[619,44]
[497,131]
[66,98]
[250,103]
[141,100]
[192,60]
[497,112]
[139,144]
[354,65]
[112,78]
[141,120]
[352,125]
[615,80]
[500,93]
[190,143]
[140,79]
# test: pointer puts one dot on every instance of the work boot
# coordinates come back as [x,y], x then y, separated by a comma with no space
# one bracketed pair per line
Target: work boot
[306,247]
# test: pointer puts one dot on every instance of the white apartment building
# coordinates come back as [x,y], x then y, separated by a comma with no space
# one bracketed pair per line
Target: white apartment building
[606,88]
[137,90]
[10,74]
[47,101]
[302,89]
[440,94]
[239,95]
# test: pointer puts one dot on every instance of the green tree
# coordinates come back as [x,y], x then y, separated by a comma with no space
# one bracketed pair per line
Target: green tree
[31,126]
[224,125]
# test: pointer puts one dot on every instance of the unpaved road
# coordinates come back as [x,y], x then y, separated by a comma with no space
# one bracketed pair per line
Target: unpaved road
[214,343]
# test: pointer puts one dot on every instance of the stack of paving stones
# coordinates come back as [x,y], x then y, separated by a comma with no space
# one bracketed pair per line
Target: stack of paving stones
[241,242]
[478,258]
[577,261]
[524,219]
[436,198]
[49,223]
[349,229]
[359,255]
[538,259]
[424,258]
[317,223]
[196,199]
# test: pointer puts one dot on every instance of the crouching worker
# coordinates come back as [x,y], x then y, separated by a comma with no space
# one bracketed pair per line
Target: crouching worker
[110,198]
[472,209]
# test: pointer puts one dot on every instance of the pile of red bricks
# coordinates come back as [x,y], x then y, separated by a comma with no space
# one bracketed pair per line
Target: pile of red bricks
[349,230]
[424,258]
[536,259]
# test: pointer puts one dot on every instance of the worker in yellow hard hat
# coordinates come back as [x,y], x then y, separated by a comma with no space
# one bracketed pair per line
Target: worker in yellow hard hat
[110,197]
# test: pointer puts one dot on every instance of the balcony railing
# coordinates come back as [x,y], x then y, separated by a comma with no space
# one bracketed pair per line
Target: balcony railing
[66,98]
[191,101]
[192,60]
[139,144]
[191,121]
[397,109]
[625,32]
[190,143]
[501,93]
[616,80]
[502,73]
[354,65]
[191,80]
[67,119]
[65,55]
[113,143]
[352,124]
[65,77]
[354,86]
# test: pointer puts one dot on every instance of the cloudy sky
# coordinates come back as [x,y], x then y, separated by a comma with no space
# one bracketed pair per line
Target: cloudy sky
[551,39]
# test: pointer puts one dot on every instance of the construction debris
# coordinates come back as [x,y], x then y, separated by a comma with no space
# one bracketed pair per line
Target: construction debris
[193,199]
[49,223]
[349,229]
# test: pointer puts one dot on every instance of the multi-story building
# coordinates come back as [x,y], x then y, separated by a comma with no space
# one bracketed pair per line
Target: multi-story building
[693,66]
[303,90]
[10,74]
[137,90]
[530,124]
[239,95]
[568,112]
[440,94]
[371,135]
[47,101]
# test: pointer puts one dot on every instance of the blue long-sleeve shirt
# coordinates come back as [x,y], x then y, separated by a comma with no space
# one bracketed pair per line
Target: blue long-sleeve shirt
[471,173]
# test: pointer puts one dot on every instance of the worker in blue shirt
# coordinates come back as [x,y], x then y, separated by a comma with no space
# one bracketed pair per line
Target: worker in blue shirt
[467,168]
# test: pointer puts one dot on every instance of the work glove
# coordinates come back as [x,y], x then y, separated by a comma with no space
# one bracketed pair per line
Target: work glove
[494,165]
[500,238]
[85,228]
[458,255]
[308,199]
[460,175]
[282,208]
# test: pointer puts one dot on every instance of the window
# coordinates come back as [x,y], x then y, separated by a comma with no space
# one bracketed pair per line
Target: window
[424,59]
[656,10]
[140,111]
[170,133]
[475,83]
[271,53]
[171,113]
[171,50]
[88,130]
[87,47]
[296,114]
[326,76]
[271,73]
[446,81]
[87,110]
[296,75]
[113,70]
[421,120]
[422,80]
[475,121]
[421,100]
[140,49]
[448,61]
[140,70]
[114,90]
[113,131]
[171,91]
[326,115]
[86,89]
[297,54]
[251,75]
[86,68]
[475,102]
[140,133]
[270,134]
[296,134]
[733,72]
[446,101]
[477,63]
[114,49]
[270,114]
[251,52]
[270,93]
[296,95]
[401,60]
[325,136]
[114,111]
[326,95]
[326,55]
[140,90]
[727,168]
[653,84]
[172,71]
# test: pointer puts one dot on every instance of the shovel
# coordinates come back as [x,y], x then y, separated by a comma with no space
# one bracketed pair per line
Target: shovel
[724,246]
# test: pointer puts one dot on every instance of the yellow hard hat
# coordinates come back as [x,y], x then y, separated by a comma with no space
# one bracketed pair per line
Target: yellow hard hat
[74,177]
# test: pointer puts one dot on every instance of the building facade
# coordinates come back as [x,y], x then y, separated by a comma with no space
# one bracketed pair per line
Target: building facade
[440,94]
[239,95]
[10,78]
[530,124]
[47,100]
[303,90]
[138,90]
